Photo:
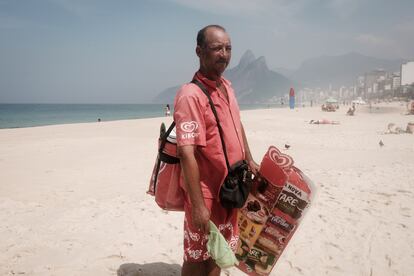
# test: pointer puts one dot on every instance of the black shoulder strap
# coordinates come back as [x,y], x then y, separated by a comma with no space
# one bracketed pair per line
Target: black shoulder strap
[203,88]
[165,136]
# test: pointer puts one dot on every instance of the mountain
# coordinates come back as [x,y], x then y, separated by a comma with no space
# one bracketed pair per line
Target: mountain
[284,71]
[166,96]
[340,70]
[253,82]
[251,79]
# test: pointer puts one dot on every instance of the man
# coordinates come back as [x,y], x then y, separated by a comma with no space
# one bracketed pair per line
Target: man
[201,153]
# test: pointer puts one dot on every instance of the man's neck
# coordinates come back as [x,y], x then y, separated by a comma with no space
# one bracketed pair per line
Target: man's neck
[210,75]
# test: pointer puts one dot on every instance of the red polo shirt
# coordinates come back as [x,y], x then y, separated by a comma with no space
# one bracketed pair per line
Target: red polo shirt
[196,125]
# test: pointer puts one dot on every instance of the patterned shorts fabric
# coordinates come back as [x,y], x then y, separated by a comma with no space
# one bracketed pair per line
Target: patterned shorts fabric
[195,241]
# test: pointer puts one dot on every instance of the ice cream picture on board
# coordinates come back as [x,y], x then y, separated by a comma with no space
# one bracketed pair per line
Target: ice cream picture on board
[272,213]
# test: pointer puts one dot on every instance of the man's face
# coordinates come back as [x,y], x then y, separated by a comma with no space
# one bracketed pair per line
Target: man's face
[215,54]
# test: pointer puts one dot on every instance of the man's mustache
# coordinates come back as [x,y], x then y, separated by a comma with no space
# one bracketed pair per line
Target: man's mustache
[222,61]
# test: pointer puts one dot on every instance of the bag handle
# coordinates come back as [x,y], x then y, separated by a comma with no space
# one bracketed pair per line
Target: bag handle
[165,136]
[203,88]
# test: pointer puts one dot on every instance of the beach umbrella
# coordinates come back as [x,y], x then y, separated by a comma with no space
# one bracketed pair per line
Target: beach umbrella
[331,100]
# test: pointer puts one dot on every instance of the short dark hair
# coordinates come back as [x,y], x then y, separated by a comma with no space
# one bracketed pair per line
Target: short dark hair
[201,35]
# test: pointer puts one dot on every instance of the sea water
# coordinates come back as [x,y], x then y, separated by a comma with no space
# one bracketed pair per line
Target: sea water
[29,115]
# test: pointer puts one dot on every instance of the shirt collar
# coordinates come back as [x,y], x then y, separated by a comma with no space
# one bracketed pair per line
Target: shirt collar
[211,84]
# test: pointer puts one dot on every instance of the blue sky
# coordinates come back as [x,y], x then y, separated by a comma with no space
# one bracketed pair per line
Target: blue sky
[126,51]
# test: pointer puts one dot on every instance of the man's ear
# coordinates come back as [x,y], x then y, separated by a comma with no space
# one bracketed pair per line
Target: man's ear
[198,50]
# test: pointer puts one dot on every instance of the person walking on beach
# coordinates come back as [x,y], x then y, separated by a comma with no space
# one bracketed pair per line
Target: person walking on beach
[167,110]
[200,150]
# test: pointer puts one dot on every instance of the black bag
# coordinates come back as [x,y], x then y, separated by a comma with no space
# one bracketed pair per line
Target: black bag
[237,184]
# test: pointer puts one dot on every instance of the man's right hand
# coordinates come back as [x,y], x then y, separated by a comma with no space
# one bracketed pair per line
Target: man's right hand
[200,216]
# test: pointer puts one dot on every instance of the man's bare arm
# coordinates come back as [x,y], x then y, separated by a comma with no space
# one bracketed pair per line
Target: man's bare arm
[252,164]
[200,214]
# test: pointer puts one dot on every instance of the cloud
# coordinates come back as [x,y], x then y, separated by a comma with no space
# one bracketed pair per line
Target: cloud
[397,38]
[231,7]
[8,22]
[75,7]
[372,40]
[255,8]
[406,27]
[12,22]
[403,32]
[344,8]
[390,45]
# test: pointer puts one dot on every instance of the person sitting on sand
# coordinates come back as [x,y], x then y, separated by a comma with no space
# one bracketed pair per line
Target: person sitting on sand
[323,122]
[394,129]
[350,112]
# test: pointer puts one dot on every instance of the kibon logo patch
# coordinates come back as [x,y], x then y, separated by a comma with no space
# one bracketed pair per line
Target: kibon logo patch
[189,128]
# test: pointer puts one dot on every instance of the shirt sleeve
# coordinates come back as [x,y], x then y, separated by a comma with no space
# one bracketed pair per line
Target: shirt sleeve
[189,118]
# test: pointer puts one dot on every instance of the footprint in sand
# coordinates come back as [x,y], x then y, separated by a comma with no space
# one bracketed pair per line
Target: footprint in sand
[389,260]
[334,268]
[404,192]
[298,269]
[322,218]
[334,245]
[116,256]
[368,211]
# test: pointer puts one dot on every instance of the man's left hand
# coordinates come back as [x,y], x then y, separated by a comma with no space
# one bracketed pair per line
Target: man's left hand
[253,166]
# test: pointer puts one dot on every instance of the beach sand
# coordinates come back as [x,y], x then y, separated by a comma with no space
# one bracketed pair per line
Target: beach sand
[73,201]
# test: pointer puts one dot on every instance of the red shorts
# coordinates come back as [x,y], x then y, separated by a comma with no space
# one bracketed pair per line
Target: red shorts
[195,241]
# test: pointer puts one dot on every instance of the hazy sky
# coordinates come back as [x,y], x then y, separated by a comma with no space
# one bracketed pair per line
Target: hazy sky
[127,51]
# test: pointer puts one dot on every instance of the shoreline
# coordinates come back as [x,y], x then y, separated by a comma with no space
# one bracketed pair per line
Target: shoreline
[54,114]
[376,108]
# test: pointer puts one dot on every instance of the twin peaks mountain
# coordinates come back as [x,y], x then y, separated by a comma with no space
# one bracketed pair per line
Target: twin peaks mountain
[252,82]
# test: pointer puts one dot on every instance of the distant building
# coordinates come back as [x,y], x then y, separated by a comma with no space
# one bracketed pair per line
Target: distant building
[371,82]
[342,92]
[407,73]
[396,80]
[360,86]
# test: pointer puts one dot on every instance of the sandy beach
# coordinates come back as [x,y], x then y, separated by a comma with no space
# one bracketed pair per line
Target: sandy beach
[73,197]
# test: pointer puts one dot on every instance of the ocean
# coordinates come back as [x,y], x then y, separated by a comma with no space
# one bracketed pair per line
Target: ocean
[30,115]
